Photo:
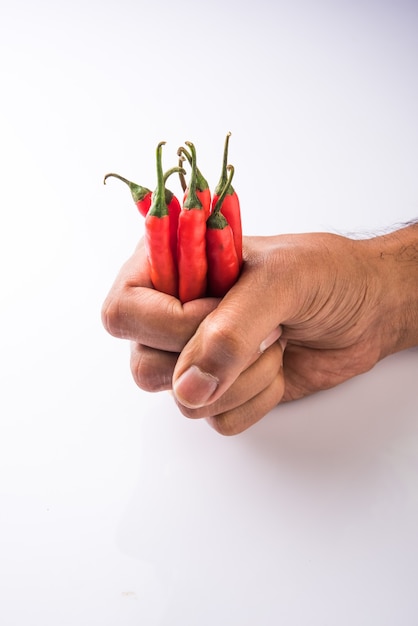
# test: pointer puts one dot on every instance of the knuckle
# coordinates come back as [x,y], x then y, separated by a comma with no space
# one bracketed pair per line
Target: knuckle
[111,317]
[226,341]
[147,372]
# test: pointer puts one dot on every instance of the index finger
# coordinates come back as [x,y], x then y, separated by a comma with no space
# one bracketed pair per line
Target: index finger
[136,311]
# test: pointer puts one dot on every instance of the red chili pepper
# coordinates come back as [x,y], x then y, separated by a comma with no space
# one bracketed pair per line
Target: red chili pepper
[140,195]
[202,186]
[174,208]
[231,206]
[223,263]
[191,247]
[163,270]
[143,198]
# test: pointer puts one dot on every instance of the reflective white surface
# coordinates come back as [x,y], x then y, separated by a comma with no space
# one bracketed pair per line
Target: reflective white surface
[115,509]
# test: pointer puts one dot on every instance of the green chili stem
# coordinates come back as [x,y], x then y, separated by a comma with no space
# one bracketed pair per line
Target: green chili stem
[169,194]
[192,200]
[138,192]
[216,219]
[182,172]
[173,170]
[159,204]
[201,182]
[225,189]
[224,175]
[124,180]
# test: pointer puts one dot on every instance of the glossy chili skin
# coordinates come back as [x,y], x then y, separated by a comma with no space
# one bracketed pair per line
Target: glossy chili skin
[204,198]
[223,262]
[230,206]
[142,196]
[191,255]
[163,272]
[231,210]
[191,245]
[174,208]
[223,265]
[162,265]
[143,205]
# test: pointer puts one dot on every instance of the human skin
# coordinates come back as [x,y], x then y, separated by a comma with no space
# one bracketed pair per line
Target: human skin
[308,312]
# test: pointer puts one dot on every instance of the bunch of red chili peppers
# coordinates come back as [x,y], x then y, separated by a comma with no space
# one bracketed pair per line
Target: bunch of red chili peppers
[194,249]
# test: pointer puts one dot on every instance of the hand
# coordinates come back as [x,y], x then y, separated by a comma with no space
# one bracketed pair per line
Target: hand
[334,302]
[159,327]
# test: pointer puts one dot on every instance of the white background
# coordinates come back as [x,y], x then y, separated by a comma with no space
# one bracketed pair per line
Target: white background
[114,508]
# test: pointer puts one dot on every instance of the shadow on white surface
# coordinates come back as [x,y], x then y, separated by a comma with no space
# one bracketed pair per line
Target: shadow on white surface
[317,500]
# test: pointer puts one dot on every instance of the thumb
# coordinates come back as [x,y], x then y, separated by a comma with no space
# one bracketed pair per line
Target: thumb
[243,325]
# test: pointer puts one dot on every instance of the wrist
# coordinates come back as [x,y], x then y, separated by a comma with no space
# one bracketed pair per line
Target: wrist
[395,260]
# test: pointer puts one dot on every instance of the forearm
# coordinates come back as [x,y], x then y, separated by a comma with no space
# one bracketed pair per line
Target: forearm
[395,259]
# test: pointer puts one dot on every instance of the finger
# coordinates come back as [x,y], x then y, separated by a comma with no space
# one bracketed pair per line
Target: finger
[134,310]
[257,377]
[228,338]
[152,370]
[243,417]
